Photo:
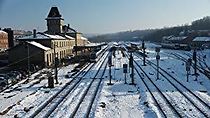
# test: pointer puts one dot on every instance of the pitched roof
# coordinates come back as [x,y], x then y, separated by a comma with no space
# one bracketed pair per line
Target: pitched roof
[54,12]
[38,36]
[204,39]
[38,45]
[83,38]
[177,38]
[69,37]
[42,36]
[2,32]
[54,36]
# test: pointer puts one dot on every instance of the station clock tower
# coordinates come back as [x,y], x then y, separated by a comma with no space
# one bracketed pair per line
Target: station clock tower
[55,21]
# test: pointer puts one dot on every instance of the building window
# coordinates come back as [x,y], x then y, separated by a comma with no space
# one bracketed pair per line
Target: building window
[47,60]
[50,58]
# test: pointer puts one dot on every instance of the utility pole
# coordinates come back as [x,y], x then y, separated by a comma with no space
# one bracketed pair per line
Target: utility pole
[144,52]
[76,42]
[55,64]
[132,69]
[28,56]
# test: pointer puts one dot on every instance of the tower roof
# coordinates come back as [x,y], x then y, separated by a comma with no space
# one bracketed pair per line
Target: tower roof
[54,12]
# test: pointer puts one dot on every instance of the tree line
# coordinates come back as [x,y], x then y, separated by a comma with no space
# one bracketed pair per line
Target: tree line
[154,35]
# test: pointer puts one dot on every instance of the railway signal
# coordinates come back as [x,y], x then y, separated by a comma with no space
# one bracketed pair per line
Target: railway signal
[157,58]
[195,64]
[132,69]
[125,70]
[144,53]
[110,68]
[188,64]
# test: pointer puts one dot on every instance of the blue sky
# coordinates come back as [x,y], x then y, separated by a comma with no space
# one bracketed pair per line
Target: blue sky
[103,16]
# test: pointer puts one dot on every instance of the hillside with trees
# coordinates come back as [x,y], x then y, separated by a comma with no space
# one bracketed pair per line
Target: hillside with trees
[154,35]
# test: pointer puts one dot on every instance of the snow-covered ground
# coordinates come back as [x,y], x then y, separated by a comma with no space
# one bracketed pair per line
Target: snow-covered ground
[119,100]
[20,98]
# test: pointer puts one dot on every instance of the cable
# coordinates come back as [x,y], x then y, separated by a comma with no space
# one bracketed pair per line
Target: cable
[19,61]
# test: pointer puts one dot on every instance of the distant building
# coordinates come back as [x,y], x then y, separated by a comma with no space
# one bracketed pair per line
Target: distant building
[193,39]
[3,40]
[201,42]
[41,48]
[6,39]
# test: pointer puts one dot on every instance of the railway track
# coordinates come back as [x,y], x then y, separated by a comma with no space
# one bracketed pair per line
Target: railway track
[202,62]
[161,101]
[46,109]
[81,102]
[50,105]
[195,100]
[90,93]
[198,67]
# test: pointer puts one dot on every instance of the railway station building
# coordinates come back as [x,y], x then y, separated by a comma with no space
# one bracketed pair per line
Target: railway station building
[40,48]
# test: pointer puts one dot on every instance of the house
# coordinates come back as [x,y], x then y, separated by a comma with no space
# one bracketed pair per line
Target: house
[201,42]
[32,53]
[177,39]
[41,48]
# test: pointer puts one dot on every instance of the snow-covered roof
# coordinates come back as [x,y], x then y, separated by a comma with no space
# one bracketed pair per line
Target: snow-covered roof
[83,38]
[54,36]
[205,39]
[38,36]
[177,38]
[42,36]
[167,37]
[92,44]
[3,32]
[69,37]
[38,45]
[135,43]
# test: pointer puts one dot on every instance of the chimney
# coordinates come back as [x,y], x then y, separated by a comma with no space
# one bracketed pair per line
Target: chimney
[10,37]
[34,33]
[65,29]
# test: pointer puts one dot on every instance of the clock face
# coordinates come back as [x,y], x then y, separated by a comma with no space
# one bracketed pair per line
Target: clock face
[54,14]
